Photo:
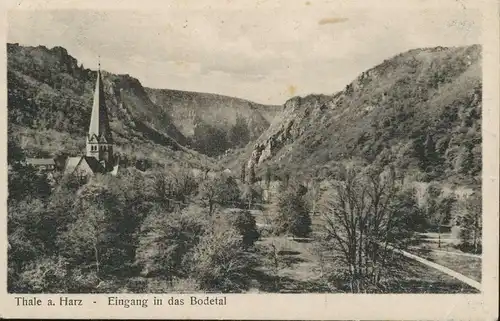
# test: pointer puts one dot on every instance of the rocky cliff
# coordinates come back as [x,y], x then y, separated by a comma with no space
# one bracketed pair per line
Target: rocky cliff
[420,110]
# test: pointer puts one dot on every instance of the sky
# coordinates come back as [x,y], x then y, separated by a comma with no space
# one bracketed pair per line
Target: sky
[261,50]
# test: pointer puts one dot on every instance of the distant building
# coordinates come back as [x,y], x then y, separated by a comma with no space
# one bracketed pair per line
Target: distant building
[99,156]
[42,164]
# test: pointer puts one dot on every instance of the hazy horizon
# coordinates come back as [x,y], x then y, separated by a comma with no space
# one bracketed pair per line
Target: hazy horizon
[257,53]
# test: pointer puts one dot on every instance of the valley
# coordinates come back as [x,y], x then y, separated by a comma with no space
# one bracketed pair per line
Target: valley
[212,193]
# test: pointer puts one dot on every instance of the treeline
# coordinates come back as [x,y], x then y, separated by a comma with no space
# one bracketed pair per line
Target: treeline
[102,234]
[214,141]
[365,212]
[439,209]
[167,230]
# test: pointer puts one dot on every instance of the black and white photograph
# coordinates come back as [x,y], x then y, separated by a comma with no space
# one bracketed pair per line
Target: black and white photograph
[321,147]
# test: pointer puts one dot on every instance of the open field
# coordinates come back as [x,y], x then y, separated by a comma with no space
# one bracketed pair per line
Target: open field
[301,267]
[448,256]
[300,271]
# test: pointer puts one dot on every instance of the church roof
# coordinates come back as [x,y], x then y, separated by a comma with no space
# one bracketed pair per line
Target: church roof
[99,120]
[85,164]
[94,164]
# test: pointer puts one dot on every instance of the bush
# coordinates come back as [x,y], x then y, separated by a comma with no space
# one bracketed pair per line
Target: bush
[292,215]
[166,240]
[219,263]
[45,275]
[244,223]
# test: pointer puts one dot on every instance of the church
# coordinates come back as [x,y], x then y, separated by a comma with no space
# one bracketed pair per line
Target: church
[99,156]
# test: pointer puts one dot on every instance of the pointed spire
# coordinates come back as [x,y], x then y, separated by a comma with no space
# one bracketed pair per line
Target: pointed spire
[99,122]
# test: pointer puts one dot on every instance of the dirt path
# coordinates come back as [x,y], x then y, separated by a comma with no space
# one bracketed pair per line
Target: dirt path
[441,268]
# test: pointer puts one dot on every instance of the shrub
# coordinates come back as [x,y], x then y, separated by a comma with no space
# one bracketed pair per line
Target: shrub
[219,262]
[292,215]
[166,239]
[244,223]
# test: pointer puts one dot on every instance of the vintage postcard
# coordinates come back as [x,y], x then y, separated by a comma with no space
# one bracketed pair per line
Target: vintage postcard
[261,159]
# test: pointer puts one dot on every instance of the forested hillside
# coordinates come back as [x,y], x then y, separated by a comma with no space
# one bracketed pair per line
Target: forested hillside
[50,97]
[325,196]
[419,111]
[214,123]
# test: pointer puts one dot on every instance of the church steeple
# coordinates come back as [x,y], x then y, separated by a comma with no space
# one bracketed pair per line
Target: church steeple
[99,139]
[99,122]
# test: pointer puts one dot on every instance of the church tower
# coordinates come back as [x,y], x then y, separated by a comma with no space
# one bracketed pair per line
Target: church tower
[99,140]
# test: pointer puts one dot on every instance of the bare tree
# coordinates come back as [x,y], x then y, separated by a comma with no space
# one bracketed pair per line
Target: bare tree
[209,194]
[364,219]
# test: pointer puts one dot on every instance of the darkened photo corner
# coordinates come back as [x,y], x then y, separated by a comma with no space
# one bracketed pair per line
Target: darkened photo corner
[349,163]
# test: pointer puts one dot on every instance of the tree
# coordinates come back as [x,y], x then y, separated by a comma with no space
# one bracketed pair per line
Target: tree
[85,242]
[470,222]
[219,262]
[292,213]
[438,208]
[244,223]
[250,195]
[209,140]
[219,191]
[47,274]
[313,194]
[15,155]
[267,177]
[286,179]
[166,239]
[239,134]
[23,231]
[364,219]
[243,173]
[103,233]
[23,180]
[251,174]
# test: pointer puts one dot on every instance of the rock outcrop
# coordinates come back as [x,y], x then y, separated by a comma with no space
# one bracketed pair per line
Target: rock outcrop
[431,94]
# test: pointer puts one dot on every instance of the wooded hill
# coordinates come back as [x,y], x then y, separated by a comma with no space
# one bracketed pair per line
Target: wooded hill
[50,99]
[419,111]
[214,123]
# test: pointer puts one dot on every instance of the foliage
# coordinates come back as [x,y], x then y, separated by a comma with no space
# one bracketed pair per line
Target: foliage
[218,263]
[292,215]
[174,187]
[166,240]
[209,140]
[221,190]
[469,220]
[250,195]
[244,222]
[438,208]
[422,106]
[239,134]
